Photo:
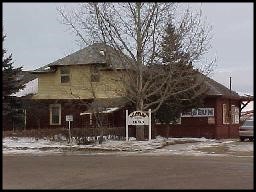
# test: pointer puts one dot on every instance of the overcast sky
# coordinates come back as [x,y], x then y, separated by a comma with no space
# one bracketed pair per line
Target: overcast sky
[35,37]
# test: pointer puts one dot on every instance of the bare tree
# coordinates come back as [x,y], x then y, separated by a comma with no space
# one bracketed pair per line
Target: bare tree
[94,106]
[136,29]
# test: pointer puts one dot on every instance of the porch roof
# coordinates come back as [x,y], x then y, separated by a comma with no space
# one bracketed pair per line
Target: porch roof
[106,110]
[105,105]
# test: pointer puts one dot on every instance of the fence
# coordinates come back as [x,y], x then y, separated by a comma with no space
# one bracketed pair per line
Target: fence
[80,134]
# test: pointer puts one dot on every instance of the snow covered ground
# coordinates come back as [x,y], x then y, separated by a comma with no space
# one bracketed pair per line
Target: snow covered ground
[158,146]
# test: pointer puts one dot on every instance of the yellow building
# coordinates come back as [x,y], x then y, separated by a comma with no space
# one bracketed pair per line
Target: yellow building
[75,84]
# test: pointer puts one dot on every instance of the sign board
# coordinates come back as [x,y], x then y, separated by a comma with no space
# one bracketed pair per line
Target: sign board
[138,118]
[69,117]
[199,112]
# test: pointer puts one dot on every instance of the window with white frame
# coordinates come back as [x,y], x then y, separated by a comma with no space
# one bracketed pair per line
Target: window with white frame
[225,114]
[235,114]
[55,114]
[64,75]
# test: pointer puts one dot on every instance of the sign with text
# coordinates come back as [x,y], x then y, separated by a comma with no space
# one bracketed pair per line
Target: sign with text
[69,117]
[138,118]
[199,112]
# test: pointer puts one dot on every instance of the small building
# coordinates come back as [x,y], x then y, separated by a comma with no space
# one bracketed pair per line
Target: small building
[218,117]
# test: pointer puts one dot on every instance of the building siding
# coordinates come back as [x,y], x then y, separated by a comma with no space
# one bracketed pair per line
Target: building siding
[80,85]
[199,127]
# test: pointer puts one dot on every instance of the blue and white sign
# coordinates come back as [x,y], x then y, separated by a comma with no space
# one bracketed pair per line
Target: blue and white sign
[199,112]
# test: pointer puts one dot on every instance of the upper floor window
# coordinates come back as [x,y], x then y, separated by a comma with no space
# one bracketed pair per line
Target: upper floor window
[64,75]
[95,74]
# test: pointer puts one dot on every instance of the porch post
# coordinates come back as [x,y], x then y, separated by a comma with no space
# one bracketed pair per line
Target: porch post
[126,124]
[149,124]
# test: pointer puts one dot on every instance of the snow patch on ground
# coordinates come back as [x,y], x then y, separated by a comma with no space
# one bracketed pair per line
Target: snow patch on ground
[241,147]
[157,146]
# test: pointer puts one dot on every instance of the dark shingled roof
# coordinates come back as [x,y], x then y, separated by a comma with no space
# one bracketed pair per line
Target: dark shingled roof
[27,76]
[93,54]
[101,104]
[217,89]
[44,69]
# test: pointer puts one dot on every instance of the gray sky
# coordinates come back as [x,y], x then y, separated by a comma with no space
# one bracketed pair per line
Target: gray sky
[35,37]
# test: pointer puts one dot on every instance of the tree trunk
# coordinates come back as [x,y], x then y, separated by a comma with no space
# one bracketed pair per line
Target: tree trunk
[101,135]
[140,133]
[13,129]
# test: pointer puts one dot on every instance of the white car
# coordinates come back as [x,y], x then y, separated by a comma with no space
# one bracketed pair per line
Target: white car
[246,130]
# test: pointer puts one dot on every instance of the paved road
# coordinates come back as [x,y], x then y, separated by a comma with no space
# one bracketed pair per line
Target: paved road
[126,172]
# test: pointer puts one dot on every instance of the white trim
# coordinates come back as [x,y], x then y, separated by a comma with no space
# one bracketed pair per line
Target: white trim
[50,107]
[235,114]
[223,114]
[126,126]
[85,113]
[64,75]
[110,110]
[90,118]
[107,110]
[149,125]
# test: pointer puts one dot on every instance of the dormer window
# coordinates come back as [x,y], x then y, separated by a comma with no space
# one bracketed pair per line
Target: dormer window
[102,52]
[64,75]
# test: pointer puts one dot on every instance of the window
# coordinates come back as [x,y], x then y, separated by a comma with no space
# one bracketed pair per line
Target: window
[225,114]
[55,114]
[248,123]
[235,114]
[95,75]
[64,75]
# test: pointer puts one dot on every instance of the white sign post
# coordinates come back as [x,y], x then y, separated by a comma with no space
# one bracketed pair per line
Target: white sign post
[138,118]
[69,118]
[149,125]
[126,125]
